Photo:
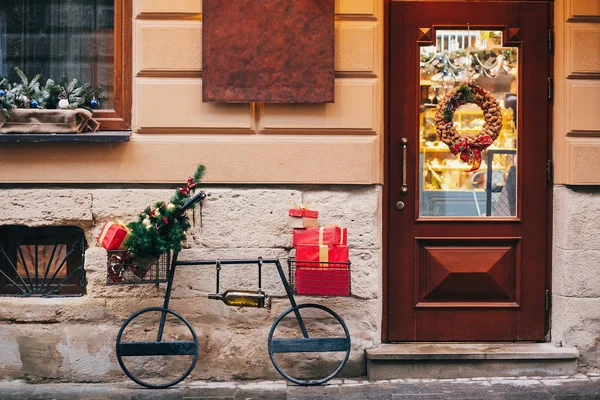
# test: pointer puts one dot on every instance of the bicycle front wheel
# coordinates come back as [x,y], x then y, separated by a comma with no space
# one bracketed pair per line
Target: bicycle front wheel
[309,344]
[154,359]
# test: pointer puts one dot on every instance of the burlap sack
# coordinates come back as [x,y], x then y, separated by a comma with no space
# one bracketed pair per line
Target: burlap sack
[48,121]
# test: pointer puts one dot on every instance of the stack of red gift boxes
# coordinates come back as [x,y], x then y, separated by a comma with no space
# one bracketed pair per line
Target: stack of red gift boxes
[321,256]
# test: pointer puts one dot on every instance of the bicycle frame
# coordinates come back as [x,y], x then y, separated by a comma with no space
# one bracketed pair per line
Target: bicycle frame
[258,261]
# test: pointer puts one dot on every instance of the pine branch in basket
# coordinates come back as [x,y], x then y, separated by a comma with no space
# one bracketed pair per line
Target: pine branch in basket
[162,227]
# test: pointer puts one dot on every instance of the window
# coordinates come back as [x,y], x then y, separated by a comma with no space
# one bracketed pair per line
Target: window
[89,40]
[42,262]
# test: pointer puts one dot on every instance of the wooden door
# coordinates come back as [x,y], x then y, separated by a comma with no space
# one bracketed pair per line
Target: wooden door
[467,251]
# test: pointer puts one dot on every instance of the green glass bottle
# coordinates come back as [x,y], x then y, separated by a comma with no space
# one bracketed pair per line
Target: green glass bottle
[240,298]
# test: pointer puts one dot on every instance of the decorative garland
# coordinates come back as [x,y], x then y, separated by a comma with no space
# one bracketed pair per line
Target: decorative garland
[468,146]
[32,93]
[489,63]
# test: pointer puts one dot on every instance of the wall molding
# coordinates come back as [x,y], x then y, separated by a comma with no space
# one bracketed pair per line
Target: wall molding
[355,17]
[356,75]
[192,131]
[587,134]
[256,130]
[584,18]
[282,159]
[169,16]
[584,75]
[195,16]
[169,73]
[311,131]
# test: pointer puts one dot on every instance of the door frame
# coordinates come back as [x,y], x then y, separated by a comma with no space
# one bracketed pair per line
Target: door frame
[386,167]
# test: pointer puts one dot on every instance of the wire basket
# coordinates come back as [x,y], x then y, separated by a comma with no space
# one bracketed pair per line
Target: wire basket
[123,269]
[311,278]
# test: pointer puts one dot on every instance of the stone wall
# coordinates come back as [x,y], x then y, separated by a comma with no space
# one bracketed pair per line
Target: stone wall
[576,270]
[72,339]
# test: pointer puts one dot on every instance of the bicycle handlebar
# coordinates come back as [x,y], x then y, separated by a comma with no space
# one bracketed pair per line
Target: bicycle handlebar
[197,197]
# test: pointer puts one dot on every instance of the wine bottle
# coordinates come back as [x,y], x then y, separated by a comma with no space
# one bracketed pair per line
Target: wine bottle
[240,298]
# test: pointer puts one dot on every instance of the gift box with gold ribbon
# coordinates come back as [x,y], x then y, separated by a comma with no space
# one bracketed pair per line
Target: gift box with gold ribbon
[332,234]
[324,254]
[113,235]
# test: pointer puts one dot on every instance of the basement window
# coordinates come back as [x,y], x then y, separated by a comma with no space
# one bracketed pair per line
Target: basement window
[42,261]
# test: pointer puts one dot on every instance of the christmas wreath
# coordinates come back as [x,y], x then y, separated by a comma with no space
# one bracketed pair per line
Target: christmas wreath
[161,228]
[468,146]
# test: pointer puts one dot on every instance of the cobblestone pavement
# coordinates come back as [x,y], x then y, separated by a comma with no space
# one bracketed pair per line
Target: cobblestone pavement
[580,386]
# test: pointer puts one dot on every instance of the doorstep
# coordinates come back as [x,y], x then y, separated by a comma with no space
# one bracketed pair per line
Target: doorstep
[467,360]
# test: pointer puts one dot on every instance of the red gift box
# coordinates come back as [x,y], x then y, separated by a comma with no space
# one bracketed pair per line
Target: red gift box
[303,218]
[323,235]
[112,236]
[323,281]
[321,253]
[303,212]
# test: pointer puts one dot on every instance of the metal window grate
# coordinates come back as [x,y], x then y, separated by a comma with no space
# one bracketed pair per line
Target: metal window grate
[42,262]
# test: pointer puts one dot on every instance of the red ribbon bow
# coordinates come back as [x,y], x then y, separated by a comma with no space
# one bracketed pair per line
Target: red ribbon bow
[471,152]
[188,187]
[477,89]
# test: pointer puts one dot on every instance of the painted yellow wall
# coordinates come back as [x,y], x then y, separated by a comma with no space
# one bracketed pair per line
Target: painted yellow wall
[577,92]
[253,143]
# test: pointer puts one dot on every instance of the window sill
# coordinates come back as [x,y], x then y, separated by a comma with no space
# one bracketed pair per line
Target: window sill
[98,137]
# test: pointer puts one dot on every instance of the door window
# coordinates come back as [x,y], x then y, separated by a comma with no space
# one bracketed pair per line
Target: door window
[447,187]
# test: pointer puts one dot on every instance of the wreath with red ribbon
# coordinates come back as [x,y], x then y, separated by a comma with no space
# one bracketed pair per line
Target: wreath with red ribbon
[468,146]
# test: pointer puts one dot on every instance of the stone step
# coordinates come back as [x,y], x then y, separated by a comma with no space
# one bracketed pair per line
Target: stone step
[469,360]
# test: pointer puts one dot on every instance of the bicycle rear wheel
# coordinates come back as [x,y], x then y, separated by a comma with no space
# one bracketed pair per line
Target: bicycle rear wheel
[309,344]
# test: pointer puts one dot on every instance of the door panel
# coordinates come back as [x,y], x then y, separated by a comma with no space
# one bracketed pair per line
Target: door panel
[467,256]
[447,277]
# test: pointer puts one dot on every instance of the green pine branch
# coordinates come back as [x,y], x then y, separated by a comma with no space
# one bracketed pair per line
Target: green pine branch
[162,227]
[48,95]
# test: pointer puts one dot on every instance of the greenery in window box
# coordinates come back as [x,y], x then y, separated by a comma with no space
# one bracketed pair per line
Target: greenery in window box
[161,228]
[64,94]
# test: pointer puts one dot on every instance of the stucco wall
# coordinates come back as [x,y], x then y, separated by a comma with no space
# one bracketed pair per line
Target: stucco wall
[577,92]
[170,118]
[73,339]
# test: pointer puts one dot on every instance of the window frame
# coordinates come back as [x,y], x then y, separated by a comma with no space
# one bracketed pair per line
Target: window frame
[119,118]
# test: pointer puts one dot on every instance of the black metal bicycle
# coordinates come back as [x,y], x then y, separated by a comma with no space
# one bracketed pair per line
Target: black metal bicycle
[156,347]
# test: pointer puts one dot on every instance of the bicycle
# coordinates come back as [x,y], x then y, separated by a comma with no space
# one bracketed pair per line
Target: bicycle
[303,337]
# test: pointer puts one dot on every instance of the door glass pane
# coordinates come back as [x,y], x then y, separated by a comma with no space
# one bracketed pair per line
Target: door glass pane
[447,186]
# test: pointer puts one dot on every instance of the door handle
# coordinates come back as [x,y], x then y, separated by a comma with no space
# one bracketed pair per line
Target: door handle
[404,187]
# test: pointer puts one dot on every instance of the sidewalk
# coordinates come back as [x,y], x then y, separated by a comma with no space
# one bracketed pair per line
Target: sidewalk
[580,386]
